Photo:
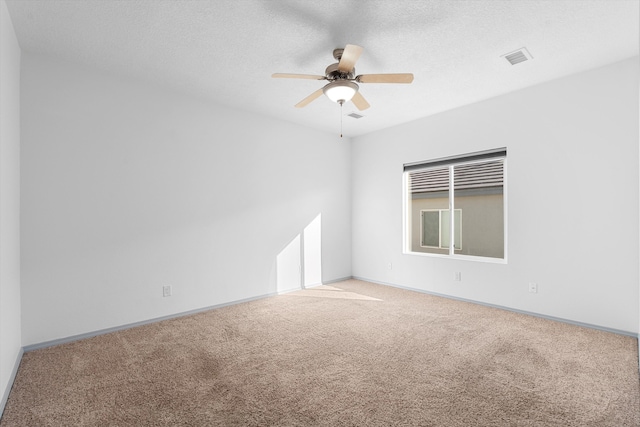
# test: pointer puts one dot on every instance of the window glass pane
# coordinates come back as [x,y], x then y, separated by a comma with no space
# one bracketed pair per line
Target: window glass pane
[430,228]
[445,220]
[428,190]
[478,191]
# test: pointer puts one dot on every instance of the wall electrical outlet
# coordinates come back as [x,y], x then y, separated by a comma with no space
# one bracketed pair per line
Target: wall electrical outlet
[166,291]
[533,288]
[390,265]
[457,276]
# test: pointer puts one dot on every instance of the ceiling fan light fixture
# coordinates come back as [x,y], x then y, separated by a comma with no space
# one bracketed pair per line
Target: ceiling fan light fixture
[340,91]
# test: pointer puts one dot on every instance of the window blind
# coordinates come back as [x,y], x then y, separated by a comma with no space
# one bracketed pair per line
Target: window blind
[433,176]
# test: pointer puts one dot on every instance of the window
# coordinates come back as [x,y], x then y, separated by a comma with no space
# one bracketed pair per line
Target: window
[439,189]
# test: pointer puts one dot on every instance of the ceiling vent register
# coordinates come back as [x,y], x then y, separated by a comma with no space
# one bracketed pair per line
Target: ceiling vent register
[518,56]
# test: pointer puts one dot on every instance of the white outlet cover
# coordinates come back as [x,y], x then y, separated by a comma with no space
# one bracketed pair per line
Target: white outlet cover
[166,291]
[533,288]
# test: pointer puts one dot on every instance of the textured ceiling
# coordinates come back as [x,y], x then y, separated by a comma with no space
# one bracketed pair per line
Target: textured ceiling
[226,50]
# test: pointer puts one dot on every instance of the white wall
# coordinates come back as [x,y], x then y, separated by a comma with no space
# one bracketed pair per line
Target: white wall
[127,187]
[10,340]
[572,198]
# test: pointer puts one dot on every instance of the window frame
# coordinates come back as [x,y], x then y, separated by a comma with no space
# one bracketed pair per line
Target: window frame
[478,157]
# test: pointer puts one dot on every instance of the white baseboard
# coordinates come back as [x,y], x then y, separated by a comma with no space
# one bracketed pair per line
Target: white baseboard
[52,343]
[342,279]
[78,337]
[73,338]
[12,378]
[515,310]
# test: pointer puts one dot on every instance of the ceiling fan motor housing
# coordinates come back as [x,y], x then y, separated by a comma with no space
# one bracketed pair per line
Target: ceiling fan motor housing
[333,73]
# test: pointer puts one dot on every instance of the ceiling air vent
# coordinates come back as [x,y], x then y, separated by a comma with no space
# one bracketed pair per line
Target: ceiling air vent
[355,115]
[518,56]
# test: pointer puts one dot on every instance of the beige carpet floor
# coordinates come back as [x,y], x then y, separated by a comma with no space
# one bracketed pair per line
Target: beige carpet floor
[350,354]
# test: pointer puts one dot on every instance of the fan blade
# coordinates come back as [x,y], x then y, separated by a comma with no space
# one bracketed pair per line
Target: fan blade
[309,98]
[349,57]
[359,101]
[297,76]
[385,78]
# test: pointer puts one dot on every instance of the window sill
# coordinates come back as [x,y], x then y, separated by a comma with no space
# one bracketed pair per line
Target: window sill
[460,257]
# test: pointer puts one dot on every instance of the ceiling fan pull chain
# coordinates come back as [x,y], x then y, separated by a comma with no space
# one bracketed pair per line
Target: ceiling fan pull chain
[341,104]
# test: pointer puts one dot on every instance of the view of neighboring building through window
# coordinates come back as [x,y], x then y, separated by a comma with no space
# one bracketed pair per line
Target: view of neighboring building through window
[470,186]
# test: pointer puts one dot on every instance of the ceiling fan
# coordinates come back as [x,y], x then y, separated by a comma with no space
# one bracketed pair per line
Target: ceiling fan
[343,82]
